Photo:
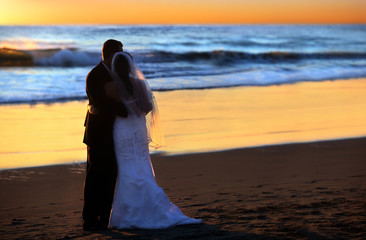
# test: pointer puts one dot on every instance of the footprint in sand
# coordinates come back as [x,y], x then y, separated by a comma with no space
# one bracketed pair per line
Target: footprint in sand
[18,221]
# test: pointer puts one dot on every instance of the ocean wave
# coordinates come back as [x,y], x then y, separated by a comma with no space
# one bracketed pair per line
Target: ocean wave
[74,57]
[48,57]
[11,57]
[234,56]
[68,58]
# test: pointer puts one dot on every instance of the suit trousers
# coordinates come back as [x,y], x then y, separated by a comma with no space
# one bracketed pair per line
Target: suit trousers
[99,186]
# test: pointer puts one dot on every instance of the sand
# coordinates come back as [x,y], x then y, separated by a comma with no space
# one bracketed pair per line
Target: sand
[295,191]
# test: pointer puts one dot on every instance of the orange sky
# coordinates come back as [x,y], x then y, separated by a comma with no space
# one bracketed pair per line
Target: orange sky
[180,11]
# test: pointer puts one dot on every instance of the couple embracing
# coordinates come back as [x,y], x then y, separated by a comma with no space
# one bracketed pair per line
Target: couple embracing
[120,190]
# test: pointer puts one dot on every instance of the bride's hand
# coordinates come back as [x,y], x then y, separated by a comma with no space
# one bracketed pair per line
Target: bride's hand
[111,91]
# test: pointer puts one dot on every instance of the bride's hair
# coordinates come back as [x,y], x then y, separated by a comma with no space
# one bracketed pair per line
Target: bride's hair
[123,70]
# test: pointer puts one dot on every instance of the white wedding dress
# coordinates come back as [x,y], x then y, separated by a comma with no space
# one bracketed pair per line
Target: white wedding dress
[139,202]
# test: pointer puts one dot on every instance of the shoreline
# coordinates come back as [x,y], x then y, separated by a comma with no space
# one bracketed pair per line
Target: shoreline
[65,100]
[293,191]
[187,154]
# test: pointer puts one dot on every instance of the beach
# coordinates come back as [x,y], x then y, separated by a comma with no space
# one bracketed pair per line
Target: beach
[296,191]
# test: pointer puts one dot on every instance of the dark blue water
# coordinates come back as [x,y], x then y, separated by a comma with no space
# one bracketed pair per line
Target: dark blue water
[182,57]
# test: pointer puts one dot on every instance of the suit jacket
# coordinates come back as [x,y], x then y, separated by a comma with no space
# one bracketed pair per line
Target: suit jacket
[99,127]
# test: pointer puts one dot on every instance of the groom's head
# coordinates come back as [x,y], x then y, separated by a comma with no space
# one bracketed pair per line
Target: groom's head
[110,47]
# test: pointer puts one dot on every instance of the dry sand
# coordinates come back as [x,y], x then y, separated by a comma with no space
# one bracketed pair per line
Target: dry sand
[298,191]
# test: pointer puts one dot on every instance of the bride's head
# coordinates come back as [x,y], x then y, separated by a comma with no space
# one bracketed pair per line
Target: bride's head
[121,66]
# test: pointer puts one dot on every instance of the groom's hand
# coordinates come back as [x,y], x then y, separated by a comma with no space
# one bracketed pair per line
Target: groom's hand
[92,109]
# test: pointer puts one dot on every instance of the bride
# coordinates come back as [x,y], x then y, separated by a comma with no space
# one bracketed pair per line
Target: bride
[138,201]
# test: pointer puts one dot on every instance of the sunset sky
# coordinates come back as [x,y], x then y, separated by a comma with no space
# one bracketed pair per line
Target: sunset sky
[26,12]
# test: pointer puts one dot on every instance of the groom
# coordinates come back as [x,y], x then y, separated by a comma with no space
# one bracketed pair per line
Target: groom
[101,171]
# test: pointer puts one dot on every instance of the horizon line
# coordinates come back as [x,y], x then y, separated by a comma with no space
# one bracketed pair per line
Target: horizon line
[182,24]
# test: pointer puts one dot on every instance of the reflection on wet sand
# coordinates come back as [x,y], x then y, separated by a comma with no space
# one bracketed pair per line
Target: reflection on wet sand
[196,121]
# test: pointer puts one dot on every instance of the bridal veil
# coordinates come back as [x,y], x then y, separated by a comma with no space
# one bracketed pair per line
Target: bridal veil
[137,96]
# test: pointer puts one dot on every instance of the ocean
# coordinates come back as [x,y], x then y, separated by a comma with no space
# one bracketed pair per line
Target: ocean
[179,57]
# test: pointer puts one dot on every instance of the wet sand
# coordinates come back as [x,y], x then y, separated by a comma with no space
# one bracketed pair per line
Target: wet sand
[296,191]
[196,121]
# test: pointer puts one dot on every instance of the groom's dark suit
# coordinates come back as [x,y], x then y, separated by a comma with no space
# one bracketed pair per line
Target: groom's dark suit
[101,166]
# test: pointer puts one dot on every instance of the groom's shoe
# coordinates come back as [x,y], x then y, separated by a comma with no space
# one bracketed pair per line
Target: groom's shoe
[104,222]
[92,226]
[103,226]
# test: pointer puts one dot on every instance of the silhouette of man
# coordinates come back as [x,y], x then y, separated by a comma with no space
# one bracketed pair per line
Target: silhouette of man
[101,169]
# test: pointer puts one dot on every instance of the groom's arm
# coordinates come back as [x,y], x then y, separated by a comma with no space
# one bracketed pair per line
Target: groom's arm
[95,89]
